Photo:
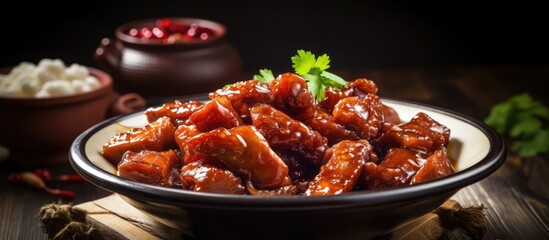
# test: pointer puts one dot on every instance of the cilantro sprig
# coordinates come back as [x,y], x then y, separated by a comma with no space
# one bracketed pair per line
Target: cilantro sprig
[524,121]
[265,76]
[312,69]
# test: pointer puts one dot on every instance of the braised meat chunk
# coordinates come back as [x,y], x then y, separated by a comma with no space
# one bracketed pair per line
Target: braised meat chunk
[343,166]
[156,136]
[299,146]
[324,123]
[292,96]
[422,133]
[150,167]
[215,114]
[359,88]
[243,150]
[200,176]
[397,168]
[438,165]
[284,133]
[182,135]
[177,111]
[245,94]
[362,115]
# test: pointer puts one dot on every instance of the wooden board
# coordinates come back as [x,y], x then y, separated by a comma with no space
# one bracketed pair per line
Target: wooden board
[116,219]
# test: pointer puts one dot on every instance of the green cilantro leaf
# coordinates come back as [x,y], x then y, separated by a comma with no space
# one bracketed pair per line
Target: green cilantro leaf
[526,126]
[323,62]
[524,121]
[529,147]
[333,80]
[499,116]
[314,83]
[313,70]
[303,62]
[265,76]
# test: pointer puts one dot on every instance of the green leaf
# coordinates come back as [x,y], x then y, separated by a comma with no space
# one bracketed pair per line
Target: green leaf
[524,121]
[499,117]
[265,76]
[321,93]
[534,145]
[323,62]
[303,62]
[314,83]
[540,111]
[336,81]
[525,127]
[522,101]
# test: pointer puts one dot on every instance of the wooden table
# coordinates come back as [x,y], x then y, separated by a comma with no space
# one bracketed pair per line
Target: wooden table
[513,211]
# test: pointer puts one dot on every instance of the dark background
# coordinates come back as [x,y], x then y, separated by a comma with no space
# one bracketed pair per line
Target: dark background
[357,35]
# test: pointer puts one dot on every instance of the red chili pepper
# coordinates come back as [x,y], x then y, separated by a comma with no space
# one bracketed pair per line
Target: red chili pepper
[43,173]
[33,180]
[69,178]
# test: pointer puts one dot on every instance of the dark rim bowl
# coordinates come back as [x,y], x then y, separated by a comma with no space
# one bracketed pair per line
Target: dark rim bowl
[479,151]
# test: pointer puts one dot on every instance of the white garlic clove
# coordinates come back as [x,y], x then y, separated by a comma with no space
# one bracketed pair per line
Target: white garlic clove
[93,82]
[55,68]
[80,86]
[58,88]
[76,71]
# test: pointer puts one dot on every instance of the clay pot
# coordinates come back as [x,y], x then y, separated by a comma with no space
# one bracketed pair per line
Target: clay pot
[154,68]
[39,131]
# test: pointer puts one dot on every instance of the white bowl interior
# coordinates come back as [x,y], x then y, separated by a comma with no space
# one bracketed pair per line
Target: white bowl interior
[468,144]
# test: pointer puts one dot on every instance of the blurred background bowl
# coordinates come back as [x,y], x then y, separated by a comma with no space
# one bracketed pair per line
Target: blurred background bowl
[39,131]
[163,68]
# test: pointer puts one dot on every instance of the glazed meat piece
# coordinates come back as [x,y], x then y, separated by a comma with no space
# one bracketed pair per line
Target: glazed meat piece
[182,134]
[284,190]
[359,87]
[362,115]
[150,167]
[332,95]
[215,143]
[245,151]
[390,115]
[292,96]
[156,136]
[298,169]
[362,86]
[245,94]
[217,113]
[177,111]
[397,168]
[200,176]
[284,133]
[438,165]
[438,132]
[399,138]
[422,133]
[323,123]
[343,165]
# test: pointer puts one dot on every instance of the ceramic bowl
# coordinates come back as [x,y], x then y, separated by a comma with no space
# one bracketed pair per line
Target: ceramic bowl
[154,68]
[477,149]
[39,131]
